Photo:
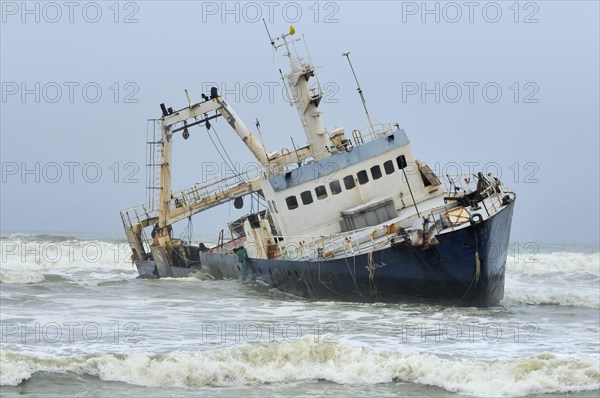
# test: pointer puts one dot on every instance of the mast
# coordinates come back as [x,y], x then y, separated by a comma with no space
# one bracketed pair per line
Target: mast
[165,174]
[360,92]
[305,99]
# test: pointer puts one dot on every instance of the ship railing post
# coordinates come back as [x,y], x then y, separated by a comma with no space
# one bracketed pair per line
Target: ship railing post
[497,196]
[146,212]
[137,216]
[356,241]
[139,222]
[129,219]
[460,182]
[494,208]
[445,186]
[143,232]
[434,223]
[123,213]
[451,223]
[123,219]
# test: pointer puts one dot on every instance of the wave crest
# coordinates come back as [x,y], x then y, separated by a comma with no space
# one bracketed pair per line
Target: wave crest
[308,360]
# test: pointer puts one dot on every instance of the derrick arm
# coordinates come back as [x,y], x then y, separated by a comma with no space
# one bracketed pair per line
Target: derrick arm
[218,104]
[174,207]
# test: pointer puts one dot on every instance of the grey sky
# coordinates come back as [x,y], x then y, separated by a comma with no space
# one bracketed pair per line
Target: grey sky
[542,130]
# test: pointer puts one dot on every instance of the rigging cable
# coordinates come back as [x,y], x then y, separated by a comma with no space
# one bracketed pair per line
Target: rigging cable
[231,164]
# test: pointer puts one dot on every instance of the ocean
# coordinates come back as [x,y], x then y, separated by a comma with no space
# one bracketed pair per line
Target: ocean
[75,321]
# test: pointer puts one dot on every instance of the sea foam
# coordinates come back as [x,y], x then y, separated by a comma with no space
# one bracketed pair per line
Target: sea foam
[304,360]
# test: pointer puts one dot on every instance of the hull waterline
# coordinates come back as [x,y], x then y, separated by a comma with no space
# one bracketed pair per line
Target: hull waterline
[465,268]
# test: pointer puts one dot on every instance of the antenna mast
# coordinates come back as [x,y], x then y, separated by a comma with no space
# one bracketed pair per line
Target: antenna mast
[269,34]
[304,98]
[360,92]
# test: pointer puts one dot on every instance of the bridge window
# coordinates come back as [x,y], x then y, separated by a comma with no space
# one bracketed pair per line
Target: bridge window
[349,182]
[389,167]
[376,172]
[292,202]
[335,187]
[401,160]
[363,178]
[321,192]
[306,197]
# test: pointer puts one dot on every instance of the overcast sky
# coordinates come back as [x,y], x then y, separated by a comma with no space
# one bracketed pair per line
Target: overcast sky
[504,86]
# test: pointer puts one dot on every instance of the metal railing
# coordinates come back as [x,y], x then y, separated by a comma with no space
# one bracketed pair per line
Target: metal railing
[212,187]
[366,239]
[367,134]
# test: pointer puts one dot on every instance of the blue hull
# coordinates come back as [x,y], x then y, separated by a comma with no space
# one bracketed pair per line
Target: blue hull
[466,268]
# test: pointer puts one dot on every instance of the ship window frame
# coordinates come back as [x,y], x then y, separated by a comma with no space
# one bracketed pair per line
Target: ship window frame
[398,161]
[378,175]
[363,177]
[306,197]
[323,194]
[337,185]
[349,182]
[387,169]
[292,202]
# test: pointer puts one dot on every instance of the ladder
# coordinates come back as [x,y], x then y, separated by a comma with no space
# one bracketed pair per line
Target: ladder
[154,149]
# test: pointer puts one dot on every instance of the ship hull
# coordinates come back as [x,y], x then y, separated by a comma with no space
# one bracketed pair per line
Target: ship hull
[147,270]
[465,268]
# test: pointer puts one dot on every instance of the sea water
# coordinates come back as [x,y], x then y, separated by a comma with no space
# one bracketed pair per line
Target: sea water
[75,321]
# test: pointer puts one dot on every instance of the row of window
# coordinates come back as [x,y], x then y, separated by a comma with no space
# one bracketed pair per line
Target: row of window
[335,187]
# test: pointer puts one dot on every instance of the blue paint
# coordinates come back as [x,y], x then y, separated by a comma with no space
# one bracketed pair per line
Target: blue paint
[317,170]
[446,272]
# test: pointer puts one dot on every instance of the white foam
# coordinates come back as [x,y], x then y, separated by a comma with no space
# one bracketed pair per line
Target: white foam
[307,360]
[75,260]
[29,276]
[549,296]
[559,278]
[569,263]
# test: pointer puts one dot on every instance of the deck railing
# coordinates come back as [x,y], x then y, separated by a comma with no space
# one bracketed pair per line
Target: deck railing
[369,238]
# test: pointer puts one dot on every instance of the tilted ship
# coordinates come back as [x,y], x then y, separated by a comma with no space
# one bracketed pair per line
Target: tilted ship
[351,217]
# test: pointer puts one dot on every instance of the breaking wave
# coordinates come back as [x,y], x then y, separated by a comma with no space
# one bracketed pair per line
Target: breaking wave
[39,258]
[45,237]
[561,262]
[546,296]
[556,278]
[307,360]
